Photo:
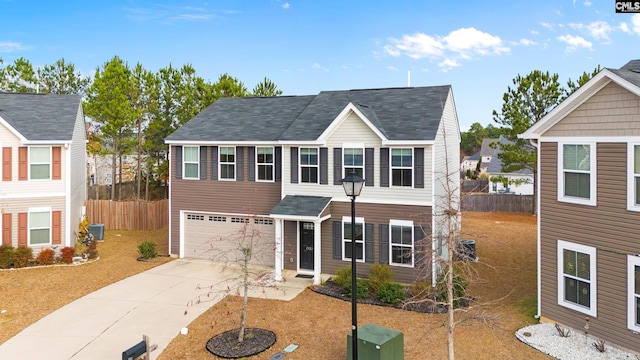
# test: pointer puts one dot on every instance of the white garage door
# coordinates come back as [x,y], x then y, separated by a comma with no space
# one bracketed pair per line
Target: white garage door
[222,237]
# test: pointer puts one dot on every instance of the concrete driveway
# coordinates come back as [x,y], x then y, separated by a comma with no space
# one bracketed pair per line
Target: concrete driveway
[103,324]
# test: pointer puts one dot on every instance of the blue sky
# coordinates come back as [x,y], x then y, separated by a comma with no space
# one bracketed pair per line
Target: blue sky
[305,47]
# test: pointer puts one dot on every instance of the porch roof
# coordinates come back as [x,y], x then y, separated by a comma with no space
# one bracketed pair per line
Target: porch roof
[300,206]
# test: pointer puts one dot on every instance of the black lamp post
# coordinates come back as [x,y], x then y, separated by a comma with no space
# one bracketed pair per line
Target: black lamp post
[352,185]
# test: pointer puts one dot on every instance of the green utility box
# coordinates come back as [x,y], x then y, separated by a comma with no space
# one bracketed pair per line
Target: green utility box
[377,343]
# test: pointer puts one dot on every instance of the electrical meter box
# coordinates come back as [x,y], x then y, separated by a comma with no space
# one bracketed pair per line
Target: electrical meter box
[377,343]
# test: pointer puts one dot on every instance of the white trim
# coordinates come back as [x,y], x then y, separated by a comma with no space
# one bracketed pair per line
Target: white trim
[220,143]
[13,130]
[273,164]
[184,162]
[344,114]
[364,200]
[631,181]
[359,220]
[538,229]
[391,167]
[67,199]
[46,209]
[632,262]
[352,147]
[234,163]
[402,223]
[29,163]
[593,285]
[594,139]
[593,176]
[317,166]
[180,250]
[33,195]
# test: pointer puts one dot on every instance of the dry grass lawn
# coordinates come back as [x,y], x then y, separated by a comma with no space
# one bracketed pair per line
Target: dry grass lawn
[31,293]
[318,324]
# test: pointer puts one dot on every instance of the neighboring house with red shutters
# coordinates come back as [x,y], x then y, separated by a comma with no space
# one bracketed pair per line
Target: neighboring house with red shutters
[278,162]
[43,173]
[589,208]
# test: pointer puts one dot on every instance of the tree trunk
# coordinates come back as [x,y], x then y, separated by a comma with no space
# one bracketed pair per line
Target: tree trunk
[245,299]
[120,177]
[138,171]
[114,164]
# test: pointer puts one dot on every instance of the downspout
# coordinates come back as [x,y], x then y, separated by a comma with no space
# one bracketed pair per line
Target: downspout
[67,190]
[535,143]
[170,208]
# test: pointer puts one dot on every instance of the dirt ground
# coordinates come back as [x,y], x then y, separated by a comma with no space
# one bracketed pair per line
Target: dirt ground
[31,293]
[504,285]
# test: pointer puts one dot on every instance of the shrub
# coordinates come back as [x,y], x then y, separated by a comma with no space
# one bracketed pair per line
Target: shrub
[7,256]
[459,287]
[362,289]
[66,254]
[390,293]
[45,257]
[83,227]
[92,249]
[23,256]
[420,289]
[378,275]
[343,277]
[147,249]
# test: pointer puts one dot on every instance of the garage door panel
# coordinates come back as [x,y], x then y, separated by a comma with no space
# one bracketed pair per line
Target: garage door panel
[220,237]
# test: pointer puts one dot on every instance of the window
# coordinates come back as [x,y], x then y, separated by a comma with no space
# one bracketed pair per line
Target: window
[227,163]
[191,162]
[576,173]
[401,243]
[39,162]
[309,165]
[633,289]
[347,242]
[633,181]
[577,277]
[402,167]
[264,162]
[39,226]
[353,161]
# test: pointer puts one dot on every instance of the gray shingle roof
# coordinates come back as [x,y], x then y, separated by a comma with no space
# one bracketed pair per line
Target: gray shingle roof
[486,149]
[399,113]
[300,205]
[41,116]
[630,72]
[495,165]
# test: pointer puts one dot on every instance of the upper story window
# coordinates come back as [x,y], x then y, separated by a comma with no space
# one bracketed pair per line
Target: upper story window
[401,243]
[353,161]
[39,162]
[577,277]
[265,163]
[633,177]
[309,165]
[348,242]
[39,226]
[227,162]
[191,162]
[633,291]
[402,167]
[577,173]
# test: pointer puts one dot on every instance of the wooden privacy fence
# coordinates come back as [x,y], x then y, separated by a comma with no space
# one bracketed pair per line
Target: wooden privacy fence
[128,215]
[497,203]
[474,186]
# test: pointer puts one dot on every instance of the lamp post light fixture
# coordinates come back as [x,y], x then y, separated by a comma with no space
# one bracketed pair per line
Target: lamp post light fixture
[352,185]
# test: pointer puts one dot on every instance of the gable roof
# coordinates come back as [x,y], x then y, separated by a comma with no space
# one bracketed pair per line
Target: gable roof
[495,165]
[486,149]
[627,77]
[397,113]
[40,117]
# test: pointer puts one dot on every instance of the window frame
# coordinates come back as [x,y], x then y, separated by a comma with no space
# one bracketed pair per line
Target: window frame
[350,146]
[29,228]
[50,163]
[392,167]
[316,166]
[271,165]
[593,298]
[633,261]
[401,223]
[359,220]
[591,201]
[185,162]
[631,178]
[227,163]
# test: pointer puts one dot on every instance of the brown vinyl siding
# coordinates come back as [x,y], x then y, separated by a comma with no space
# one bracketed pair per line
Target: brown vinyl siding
[608,227]
[373,214]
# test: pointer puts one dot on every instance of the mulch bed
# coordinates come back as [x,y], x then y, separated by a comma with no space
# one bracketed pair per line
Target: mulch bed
[256,340]
[330,288]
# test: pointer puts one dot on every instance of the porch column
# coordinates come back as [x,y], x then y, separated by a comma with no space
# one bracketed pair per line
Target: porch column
[279,249]
[317,252]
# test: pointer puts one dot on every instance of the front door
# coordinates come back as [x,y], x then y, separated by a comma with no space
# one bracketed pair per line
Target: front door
[306,246]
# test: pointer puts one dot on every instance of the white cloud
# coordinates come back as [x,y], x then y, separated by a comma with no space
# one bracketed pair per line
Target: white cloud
[575,42]
[285,5]
[587,3]
[464,43]
[8,46]
[534,32]
[599,30]
[317,66]
[546,25]
[624,28]
[392,68]
[635,23]
[524,42]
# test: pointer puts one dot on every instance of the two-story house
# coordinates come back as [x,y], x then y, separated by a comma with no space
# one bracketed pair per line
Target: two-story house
[277,163]
[589,208]
[43,173]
